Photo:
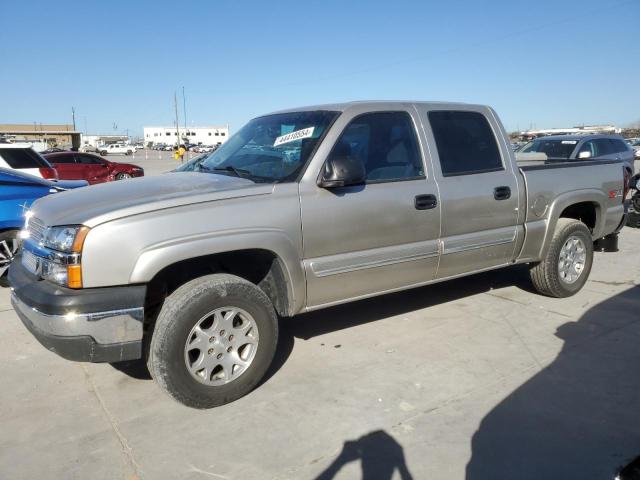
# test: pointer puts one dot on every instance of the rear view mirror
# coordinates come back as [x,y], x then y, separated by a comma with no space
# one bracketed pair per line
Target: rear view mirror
[342,172]
[584,154]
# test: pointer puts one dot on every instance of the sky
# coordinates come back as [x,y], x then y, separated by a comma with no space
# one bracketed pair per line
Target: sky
[540,64]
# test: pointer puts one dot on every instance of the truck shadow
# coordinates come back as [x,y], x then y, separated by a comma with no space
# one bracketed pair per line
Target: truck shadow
[313,324]
[331,319]
[578,417]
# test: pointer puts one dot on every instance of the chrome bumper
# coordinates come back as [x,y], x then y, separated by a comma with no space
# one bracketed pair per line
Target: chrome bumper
[106,328]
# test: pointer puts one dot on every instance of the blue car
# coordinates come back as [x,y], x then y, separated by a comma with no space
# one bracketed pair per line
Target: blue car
[17,192]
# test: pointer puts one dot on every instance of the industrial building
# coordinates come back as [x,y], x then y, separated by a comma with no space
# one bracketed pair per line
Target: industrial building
[197,135]
[42,134]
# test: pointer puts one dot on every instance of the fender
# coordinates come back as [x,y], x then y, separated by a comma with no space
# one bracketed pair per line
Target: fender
[567,199]
[158,256]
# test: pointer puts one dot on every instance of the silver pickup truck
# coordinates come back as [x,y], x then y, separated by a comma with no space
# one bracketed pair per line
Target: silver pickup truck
[300,210]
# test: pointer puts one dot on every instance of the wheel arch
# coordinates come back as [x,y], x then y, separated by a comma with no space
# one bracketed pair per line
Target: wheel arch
[271,264]
[587,206]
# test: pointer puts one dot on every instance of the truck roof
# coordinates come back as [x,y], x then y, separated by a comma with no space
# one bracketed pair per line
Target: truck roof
[373,104]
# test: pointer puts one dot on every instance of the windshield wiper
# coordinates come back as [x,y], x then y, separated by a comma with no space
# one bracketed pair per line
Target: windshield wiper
[237,172]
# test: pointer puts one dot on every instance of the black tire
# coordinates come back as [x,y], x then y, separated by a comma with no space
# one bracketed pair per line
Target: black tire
[103,153]
[635,202]
[545,275]
[128,152]
[181,311]
[9,245]
[123,176]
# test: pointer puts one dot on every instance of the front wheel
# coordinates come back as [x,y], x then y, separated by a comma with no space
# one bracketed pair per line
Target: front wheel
[123,176]
[9,245]
[567,264]
[213,341]
[103,153]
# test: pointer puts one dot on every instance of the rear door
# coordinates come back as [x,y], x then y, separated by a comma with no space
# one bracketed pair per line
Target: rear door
[93,169]
[478,189]
[66,167]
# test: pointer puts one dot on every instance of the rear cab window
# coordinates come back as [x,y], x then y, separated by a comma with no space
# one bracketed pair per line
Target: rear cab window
[466,143]
[22,158]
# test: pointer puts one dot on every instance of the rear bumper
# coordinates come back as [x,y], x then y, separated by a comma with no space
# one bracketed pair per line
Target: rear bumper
[91,325]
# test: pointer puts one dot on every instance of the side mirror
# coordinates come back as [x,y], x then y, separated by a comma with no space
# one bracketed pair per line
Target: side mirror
[342,172]
[584,154]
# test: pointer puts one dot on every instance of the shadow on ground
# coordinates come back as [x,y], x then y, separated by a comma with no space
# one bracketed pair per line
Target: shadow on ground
[379,454]
[309,325]
[580,416]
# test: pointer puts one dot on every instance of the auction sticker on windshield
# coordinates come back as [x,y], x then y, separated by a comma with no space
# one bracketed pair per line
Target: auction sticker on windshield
[293,136]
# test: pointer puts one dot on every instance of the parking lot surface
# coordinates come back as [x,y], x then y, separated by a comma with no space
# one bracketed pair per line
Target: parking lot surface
[477,378]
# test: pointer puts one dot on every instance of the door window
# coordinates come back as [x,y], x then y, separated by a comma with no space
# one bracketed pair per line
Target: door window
[386,144]
[603,147]
[466,144]
[619,146]
[589,146]
[22,158]
[60,159]
[87,160]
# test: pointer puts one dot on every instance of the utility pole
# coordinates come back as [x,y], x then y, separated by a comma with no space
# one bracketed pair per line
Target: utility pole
[175,104]
[184,109]
[73,115]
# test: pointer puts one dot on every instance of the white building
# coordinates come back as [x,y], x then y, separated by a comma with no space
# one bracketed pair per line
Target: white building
[198,135]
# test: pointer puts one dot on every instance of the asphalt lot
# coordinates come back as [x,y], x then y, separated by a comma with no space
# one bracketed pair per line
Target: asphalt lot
[477,378]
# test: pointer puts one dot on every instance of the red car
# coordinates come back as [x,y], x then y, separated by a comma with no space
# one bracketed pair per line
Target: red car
[89,167]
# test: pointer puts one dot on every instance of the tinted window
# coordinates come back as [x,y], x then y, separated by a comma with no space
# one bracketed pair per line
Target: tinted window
[604,147]
[22,158]
[386,144]
[87,160]
[465,142]
[553,149]
[619,146]
[61,159]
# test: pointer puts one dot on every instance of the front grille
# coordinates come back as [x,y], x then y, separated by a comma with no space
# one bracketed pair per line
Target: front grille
[36,228]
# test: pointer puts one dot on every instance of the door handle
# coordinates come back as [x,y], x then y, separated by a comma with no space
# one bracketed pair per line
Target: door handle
[425,202]
[502,193]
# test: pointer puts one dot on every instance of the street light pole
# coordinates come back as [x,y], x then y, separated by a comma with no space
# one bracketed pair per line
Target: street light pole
[184,109]
[175,104]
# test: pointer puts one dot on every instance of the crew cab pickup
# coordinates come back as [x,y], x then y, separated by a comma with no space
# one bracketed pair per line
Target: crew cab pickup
[299,210]
[116,148]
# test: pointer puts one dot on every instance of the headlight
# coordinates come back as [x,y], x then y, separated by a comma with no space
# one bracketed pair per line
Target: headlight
[65,239]
[64,265]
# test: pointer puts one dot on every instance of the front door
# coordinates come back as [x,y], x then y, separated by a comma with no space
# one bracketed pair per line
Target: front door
[478,189]
[380,236]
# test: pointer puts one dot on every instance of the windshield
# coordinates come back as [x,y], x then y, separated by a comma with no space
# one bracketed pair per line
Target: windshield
[552,148]
[274,148]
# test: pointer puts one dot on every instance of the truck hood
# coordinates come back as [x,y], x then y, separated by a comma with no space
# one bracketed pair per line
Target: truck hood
[101,203]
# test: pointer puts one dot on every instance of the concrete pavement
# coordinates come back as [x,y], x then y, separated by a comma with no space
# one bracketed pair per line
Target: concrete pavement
[477,378]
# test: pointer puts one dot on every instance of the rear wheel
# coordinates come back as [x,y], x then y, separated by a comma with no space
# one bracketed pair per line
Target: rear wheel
[213,341]
[567,264]
[9,245]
